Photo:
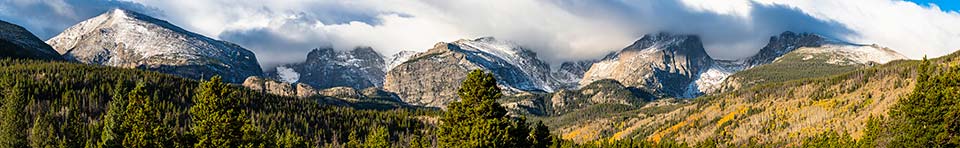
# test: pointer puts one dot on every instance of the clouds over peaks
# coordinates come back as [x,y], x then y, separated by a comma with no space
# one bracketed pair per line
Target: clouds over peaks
[283,31]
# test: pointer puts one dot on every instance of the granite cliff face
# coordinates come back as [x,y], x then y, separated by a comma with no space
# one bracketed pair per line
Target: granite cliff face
[122,38]
[569,74]
[324,68]
[431,78]
[398,58]
[783,44]
[662,63]
[306,91]
[17,42]
[279,88]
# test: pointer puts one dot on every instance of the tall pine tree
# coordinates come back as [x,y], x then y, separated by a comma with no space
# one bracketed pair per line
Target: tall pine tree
[477,120]
[540,135]
[143,122]
[379,137]
[14,118]
[217,116]
[112,133]
[928,117]
[42,134]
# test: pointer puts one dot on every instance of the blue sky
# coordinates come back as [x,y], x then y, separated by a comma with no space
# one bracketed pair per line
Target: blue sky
[945,5]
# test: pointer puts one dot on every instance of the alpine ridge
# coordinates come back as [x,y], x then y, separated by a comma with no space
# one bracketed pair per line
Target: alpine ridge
[359,68]
[792,56]
[424,79]
[17,42]
[678,66]
[662,63]
[123,38]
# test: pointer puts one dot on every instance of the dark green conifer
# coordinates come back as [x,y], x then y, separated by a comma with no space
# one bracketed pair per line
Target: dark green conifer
[143,121]
[217,116]
[14,121]
[112,133]
[477,120]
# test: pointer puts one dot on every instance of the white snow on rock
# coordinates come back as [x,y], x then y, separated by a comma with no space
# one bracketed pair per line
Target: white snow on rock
[123,38]
[397,59]
[709,81]
[287,75]
[493,50]
[849,54]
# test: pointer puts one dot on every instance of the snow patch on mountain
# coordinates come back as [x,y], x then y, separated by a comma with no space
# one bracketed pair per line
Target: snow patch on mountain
[397,59]
[496,51]
[847,54]
[287,75]
[124,38]
[710,80]
[569,74]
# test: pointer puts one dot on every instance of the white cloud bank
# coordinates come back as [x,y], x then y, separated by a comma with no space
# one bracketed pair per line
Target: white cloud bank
[907,27]
[283,31]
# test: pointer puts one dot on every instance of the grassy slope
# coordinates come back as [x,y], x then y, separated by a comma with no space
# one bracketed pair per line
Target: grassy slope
[780,113]
[792,66]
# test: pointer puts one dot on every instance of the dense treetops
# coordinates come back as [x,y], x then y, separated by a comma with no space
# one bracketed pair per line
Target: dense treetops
[59,104]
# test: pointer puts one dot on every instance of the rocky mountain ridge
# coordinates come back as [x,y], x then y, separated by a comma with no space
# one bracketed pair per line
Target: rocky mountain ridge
[123,38]
[426,77]
[17,42]
[663,63]
[359,68]
[677,66]
[302,90]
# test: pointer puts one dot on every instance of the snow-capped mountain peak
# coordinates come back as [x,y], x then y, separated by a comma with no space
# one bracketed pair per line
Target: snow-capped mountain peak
[517,70]
[125,38]
[398,58]
[663,63]
[783,44]
[524,60]
[850,54]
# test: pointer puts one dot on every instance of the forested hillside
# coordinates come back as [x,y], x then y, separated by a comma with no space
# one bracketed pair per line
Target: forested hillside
[899,104]
[59,104]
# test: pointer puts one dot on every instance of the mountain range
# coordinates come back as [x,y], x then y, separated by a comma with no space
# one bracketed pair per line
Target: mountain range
[663,65]
[662,86]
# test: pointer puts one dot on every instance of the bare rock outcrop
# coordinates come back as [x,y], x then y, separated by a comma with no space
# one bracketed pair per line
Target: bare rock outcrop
[306,91]
[431,78]
[279,88]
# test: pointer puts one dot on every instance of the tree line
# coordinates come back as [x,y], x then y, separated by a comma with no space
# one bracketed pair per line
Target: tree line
[60,104]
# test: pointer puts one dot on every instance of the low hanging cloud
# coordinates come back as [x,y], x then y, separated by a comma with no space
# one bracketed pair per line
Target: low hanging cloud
[907,27]
[730,31]
[283,31]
